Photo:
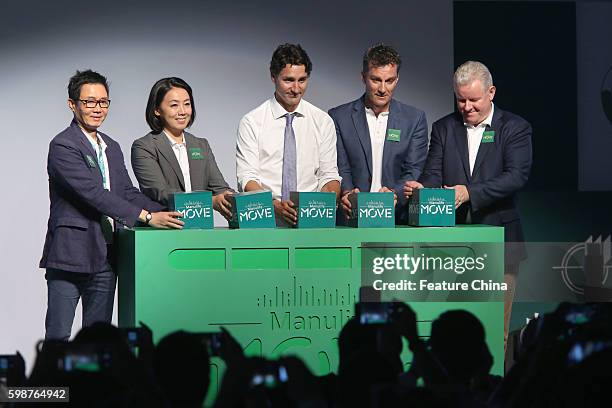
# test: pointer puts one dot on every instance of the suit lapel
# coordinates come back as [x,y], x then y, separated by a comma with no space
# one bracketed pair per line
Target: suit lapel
[196,167]
[485,148]
[460,133]
[392,123]
[163,145]
[363,133]
[88,149]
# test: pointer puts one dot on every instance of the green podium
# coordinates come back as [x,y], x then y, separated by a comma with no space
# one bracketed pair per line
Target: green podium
[284,291]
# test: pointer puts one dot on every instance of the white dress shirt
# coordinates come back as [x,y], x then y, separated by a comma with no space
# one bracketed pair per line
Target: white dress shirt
[260,146]
[377,125]
[474,137]
[180,152]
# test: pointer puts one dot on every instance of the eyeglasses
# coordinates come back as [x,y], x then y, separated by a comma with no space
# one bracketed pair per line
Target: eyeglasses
[90,103]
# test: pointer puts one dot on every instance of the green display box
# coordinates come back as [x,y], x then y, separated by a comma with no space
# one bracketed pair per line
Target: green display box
[432,207]
[372,210]
[314,209]
[252,210]
[195,207]
[285,291]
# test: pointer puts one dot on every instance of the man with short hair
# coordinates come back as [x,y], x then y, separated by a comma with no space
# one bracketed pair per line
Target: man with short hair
[382,143]
[90,191]
[287,144]
[484,154]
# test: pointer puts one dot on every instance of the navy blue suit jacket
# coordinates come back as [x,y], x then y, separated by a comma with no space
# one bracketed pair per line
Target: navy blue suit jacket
[402,160]
[501,169]
[74,240]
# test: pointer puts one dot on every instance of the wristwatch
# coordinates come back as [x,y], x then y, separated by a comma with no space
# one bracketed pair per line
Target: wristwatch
[148,218]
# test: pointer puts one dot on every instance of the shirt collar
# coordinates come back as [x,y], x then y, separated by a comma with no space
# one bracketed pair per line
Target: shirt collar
[278,111]
[101,141]
[174,142]
[370,111]
[486,122]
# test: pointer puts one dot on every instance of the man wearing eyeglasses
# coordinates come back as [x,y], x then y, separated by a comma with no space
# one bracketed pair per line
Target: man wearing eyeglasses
[91,196]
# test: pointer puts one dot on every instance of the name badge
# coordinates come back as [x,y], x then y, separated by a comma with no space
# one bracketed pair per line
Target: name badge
[393,135]
[195,153]
[488,136]
[90,161]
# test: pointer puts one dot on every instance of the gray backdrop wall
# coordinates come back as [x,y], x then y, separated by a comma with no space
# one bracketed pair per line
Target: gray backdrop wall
[221,48]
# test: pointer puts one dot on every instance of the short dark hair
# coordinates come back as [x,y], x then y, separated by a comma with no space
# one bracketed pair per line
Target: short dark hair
[380,55]
[289,54]
[84,77]
[156,96]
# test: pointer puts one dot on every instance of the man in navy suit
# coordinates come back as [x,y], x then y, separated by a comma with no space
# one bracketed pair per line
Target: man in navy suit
[484,154]
[91,195]
[381,142]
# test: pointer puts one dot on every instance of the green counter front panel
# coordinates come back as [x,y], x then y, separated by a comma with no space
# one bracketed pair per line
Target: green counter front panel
[278,291]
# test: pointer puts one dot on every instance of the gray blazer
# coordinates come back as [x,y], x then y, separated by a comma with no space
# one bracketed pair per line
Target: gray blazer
[158,172]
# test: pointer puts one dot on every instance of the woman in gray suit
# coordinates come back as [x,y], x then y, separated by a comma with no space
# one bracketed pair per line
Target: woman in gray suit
[169,159]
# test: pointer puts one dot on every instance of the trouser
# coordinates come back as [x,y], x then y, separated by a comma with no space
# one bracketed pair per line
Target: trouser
[96,291]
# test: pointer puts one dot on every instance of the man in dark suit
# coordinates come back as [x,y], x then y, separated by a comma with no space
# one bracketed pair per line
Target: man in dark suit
[91,195]
[381,142]
[484,154]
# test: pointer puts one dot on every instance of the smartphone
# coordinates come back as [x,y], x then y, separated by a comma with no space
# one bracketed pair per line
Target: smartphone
[7,365]
[582,350]
[579,315]
[133,337]
[377,312]
[212,341]
[270,375]
[84,358]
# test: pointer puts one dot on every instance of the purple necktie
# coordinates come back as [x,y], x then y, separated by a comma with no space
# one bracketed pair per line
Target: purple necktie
[289,160]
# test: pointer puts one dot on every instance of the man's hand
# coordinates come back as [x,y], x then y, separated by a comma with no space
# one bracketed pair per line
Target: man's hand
[410,186]
[461,194]
[286,210]
[221,204]
[384,189]
[346,204]
[166,220]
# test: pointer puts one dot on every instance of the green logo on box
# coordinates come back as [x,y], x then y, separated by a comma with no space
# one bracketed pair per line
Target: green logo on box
[252,210]
[315,209]
[195,208]
[372,210]
[432,207]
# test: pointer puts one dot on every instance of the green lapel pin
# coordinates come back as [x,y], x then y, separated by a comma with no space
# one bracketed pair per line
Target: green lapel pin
[195,153]
[393,135]
[488,136]
[90,161]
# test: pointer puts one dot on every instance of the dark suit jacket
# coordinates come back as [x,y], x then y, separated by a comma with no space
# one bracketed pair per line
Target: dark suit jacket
[402,160]
[158,172]
[501,169]
[74,240]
